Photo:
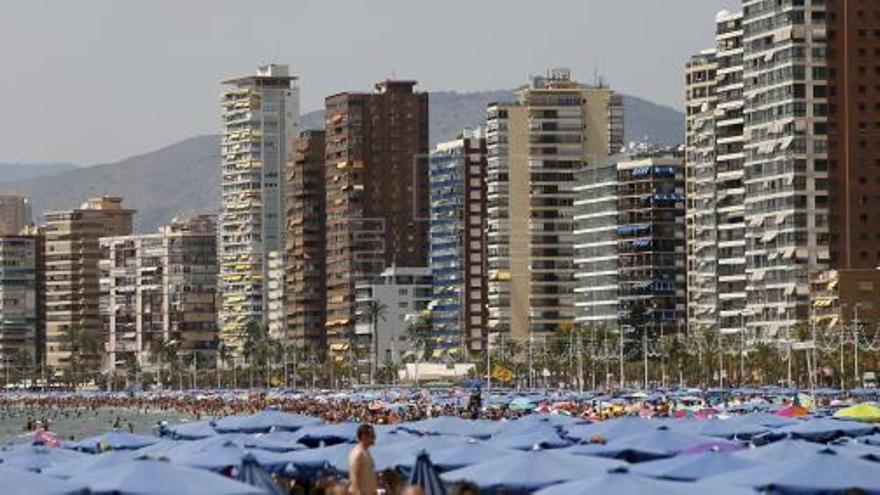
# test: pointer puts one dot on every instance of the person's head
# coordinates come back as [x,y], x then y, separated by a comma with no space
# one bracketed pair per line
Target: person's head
[366,435]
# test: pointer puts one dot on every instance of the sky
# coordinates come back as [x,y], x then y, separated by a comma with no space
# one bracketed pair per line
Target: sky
[95,81]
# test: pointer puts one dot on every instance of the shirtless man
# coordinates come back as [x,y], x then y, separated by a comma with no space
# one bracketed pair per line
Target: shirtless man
[361,471]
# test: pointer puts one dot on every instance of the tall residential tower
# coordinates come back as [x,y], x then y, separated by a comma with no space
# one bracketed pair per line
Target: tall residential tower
[260,119]
[377,194]
[536,147]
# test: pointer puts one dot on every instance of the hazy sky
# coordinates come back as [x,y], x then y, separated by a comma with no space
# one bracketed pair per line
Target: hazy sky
[92,81]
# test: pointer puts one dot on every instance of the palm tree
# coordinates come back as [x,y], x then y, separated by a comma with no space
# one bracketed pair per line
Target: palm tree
[257,347]
[83,347]
[224,357]
[372,311]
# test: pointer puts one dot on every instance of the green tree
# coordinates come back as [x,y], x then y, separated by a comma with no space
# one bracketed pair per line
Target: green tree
[257,348]
[371,312]
[83,348]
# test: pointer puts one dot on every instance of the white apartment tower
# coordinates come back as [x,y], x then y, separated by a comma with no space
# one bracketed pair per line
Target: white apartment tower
[785,164]
[260,119]
[714,154]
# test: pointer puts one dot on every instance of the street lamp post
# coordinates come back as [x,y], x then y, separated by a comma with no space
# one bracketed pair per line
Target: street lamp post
[488,364]
[857,379]
[720,359]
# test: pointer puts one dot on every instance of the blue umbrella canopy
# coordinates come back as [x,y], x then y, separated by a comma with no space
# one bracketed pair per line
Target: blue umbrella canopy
[694,467]
[529,470]
[657,444]
[98,461]
[253,474]
[541,438]
[220,457]
[425,475]
[611,429]
[112,440]
[14,482]
[450,425]
[824,429]
[735,427]
[769,420]
[312,436]
[781,451]
[151,477]
[871,439]
[192,431]
[466,454]
[37,457]
[307,464]
[621,482]
[824,472]
[264,421]
[276,441]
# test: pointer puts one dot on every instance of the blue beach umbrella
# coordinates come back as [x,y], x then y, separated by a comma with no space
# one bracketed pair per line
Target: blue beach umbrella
[781,451]
[14,482]
[466,454]
[450,425]
[611,429]
[192,431]
[824,429]
[425,475]
[622,482]
[732,428]
[264,421]
[531,470]
[112,440]
[90,463]
[769,420]
[37,458]
[825,472]
[276,441]
[253,474]
[693,467]
[220,457]
[540,438]
[327,435]
[308,464]
[657,444]
[151,477]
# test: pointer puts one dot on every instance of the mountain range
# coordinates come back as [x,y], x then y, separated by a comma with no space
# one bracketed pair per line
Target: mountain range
[184,178]
[10,172]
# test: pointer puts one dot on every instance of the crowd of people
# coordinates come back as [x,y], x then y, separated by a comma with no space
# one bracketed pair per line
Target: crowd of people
[380,408]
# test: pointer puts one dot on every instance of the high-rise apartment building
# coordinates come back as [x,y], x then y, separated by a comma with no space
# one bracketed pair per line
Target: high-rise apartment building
[785,150]
[702,218]
[73,252]
[714,154]
[21,308]
[260,119]
[377,193]
[535,148]
[630,242]
[596,253]
[276,302]
[306,217]
[458,241]
[15,214]
[852,29]
[159,288]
